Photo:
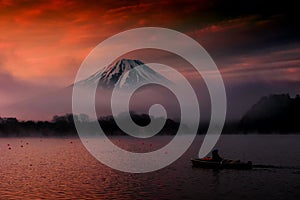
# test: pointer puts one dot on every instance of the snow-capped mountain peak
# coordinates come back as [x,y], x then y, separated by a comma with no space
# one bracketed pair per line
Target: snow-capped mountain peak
[125,73]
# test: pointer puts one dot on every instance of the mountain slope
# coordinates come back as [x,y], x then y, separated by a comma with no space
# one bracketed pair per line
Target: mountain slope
[123,74]
[276,113]
[60,102]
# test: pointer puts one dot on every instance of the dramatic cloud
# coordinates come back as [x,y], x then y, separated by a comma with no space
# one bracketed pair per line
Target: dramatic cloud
[42,43]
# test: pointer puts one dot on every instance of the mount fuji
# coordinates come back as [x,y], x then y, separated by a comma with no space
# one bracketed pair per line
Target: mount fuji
[123,74]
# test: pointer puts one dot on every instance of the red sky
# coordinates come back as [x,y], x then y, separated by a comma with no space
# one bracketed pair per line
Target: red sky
[42,43]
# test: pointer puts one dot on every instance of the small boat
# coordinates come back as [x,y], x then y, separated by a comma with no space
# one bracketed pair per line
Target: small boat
[208,163]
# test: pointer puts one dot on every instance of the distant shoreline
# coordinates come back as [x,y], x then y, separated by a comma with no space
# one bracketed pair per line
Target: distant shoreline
[73,135]
[276,114]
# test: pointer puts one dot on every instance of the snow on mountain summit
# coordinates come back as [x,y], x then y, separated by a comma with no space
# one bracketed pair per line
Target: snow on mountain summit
[125,73]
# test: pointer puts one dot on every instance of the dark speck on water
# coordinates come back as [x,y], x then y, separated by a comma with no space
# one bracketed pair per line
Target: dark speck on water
[54,170]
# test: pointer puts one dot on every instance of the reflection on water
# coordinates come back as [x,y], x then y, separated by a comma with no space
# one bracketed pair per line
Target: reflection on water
[52,168]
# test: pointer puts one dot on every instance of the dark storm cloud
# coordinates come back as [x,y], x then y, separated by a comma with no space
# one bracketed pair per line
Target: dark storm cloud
[282,14]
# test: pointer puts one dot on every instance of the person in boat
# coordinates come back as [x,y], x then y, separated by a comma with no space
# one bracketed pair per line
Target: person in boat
[215,156]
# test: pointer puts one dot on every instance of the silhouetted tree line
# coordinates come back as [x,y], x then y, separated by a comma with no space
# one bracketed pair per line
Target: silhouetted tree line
[272,114]
[59,125]
[109,125]
[64,125]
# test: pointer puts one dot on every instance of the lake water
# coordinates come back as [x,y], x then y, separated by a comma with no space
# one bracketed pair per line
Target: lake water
[61,168]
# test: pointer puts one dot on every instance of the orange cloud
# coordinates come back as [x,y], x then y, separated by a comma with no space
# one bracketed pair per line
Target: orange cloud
[44,38]
[44,42]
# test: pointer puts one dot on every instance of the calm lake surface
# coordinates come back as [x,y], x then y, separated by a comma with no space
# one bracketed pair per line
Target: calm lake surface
[61,168]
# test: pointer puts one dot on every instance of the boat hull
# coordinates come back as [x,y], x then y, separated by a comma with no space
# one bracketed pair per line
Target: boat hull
[199,163]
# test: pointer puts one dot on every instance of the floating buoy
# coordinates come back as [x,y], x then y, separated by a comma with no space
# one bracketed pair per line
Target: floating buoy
[22,146]
[27,143]
[8,145]
[9,148]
